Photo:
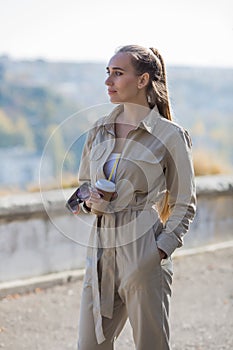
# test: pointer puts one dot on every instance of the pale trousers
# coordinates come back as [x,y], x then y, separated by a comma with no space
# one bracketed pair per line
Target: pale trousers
[142,294]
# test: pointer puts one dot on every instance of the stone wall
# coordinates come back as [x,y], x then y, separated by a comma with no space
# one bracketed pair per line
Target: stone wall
[39,236]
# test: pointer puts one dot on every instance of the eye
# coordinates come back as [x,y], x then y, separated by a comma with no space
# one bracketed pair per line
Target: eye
[118,73]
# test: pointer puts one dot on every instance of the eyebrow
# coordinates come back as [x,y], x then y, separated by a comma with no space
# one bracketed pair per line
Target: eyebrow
[116,68]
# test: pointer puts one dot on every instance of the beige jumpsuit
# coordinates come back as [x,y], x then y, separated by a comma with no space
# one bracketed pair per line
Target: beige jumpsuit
[124,275]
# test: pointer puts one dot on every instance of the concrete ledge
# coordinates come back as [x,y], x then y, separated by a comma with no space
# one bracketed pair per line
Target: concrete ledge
[38,236]
[214,185]
[32,204]
[46,281]
[204,249]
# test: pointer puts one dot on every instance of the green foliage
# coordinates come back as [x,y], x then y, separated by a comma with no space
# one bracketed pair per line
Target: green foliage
[57,150]
[39,106]
[15,134]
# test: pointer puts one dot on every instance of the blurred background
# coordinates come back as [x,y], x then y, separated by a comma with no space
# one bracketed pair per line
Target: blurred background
[53,56]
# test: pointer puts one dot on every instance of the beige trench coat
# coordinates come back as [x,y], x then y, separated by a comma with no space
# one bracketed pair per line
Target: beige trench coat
[156,158]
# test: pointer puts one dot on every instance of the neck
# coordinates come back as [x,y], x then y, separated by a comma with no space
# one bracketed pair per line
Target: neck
[134,113]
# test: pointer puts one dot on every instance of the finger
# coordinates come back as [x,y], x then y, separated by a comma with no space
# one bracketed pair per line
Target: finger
[96,200]
[95,195]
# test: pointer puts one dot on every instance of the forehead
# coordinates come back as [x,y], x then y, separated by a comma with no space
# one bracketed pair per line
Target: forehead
[121,60]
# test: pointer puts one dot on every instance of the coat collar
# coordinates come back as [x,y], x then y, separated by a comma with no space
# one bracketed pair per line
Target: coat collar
[148,123]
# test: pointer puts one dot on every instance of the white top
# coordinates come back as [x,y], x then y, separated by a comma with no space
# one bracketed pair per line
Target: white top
[110,164]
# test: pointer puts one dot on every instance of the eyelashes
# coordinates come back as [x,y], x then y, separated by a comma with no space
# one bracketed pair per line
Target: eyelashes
[115,73]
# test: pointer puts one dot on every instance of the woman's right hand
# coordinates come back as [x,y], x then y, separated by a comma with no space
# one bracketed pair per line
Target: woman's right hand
[95,198]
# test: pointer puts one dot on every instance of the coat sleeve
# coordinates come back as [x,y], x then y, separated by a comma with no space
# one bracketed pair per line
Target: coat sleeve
[180,183]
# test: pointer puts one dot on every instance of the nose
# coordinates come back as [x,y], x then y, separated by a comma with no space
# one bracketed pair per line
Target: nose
[108,81]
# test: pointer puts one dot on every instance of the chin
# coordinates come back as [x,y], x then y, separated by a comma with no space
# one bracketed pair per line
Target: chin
[114,101]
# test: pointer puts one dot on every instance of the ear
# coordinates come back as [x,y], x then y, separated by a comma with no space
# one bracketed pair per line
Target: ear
[143,80]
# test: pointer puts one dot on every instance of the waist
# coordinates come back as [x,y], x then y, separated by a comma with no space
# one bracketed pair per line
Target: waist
[129,208]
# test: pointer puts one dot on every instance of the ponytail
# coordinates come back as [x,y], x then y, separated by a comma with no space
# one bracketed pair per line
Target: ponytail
[159,89]
[163,208]
[163,105]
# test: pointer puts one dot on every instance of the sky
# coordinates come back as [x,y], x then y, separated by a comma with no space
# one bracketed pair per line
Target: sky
[186,32]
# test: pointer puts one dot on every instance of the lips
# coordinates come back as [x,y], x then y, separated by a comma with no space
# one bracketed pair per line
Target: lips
[110,92]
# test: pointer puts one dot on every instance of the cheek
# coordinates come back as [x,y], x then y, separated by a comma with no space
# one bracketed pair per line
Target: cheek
[130,85]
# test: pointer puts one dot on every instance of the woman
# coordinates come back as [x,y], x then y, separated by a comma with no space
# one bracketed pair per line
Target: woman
[129,267]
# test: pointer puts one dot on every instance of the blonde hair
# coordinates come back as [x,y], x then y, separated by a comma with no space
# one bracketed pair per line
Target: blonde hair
[150,61]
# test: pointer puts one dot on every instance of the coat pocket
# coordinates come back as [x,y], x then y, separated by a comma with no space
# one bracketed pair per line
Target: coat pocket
[97,159]
[97,152]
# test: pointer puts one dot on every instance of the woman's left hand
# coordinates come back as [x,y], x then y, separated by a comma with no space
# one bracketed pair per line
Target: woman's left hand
[162,254]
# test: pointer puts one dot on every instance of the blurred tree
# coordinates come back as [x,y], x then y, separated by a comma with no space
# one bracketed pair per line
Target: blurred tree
[15,134]
[7,131]
[2,72]
[198,128]
[26,133]
[56,149]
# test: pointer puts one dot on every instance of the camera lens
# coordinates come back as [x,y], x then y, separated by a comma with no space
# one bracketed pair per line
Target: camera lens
[83,192]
